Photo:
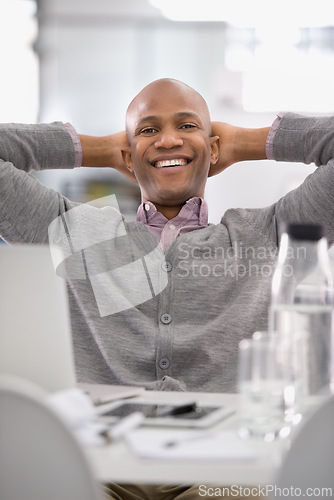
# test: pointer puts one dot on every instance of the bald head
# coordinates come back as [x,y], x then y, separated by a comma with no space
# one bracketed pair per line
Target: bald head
[154,98]
[171,149]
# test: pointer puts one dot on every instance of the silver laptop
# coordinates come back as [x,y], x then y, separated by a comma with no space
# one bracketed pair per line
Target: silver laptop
[35,332]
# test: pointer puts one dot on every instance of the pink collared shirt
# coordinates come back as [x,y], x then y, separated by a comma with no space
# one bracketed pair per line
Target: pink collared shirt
[193,215]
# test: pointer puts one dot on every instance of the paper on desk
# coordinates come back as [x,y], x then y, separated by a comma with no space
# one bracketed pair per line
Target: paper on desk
[226,445]
[77,411]
[73,406]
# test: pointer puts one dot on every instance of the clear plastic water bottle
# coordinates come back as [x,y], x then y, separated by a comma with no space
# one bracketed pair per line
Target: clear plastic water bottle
[301,313]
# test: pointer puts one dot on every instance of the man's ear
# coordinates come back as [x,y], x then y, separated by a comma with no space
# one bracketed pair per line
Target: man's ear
[214,149]
[127,158]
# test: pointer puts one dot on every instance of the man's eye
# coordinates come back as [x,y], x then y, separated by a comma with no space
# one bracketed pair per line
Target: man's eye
[148,130]
[188,125]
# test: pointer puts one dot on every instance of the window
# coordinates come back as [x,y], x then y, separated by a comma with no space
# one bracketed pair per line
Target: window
[19,64]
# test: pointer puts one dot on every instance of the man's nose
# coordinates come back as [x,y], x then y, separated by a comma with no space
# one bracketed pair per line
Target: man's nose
[168,139]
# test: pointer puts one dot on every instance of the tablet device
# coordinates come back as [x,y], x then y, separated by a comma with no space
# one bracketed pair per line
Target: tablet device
[190,414]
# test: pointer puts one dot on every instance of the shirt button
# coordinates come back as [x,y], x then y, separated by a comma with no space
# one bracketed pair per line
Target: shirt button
[147,207]
[171,226]
[164,363]
[166,319]
[166,266]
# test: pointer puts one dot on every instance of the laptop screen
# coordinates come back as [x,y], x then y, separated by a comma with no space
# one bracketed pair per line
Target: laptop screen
[35,332]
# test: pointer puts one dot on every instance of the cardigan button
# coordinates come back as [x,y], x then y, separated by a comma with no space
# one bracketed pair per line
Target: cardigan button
[166,319]
[166,266]
[164,363]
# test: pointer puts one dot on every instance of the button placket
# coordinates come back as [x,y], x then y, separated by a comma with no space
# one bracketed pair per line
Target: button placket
[165,338]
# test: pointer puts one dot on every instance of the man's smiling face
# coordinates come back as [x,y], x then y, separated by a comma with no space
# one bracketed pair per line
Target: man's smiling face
[168,127]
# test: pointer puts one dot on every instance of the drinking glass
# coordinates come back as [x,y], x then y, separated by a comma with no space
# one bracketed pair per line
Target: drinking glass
[263,383]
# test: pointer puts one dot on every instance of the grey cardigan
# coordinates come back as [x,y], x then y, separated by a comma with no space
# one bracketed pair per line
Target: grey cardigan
[166,322]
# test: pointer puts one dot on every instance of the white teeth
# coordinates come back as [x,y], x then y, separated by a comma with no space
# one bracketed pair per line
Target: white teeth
[170,163]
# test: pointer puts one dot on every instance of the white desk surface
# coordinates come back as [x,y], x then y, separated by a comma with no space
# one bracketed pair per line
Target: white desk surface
[116,462]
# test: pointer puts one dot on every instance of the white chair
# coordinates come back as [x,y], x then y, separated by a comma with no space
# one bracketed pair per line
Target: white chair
[39,457]
[309,463]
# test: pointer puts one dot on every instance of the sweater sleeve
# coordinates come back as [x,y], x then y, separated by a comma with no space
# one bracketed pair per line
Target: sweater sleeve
[27,207]
[37,147]
[308,140]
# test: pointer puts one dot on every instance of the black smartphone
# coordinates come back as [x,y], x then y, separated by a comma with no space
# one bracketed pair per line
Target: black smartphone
[188,414]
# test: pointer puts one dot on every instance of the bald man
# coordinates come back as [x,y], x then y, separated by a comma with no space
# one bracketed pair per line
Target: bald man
[169,130]
[162,302]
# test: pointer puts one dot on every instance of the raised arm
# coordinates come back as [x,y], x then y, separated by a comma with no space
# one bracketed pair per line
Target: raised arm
[238,144]
[36,147]
[307,140]
[26,206]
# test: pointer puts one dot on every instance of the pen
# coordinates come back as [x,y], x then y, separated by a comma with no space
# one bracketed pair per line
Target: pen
[123,426]
[179,410]
[194,437]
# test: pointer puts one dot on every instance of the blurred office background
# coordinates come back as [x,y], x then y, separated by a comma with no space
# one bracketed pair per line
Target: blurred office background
[82,62]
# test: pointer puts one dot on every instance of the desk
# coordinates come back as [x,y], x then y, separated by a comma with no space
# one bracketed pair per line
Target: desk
[116,463]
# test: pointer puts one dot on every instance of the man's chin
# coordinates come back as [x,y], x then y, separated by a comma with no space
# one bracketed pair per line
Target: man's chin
[173,195]
[173,201]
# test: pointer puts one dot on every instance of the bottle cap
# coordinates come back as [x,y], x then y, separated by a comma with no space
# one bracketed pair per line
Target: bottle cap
[311,232]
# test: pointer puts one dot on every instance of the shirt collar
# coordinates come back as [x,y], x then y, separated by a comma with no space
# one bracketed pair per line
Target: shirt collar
[193,213]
